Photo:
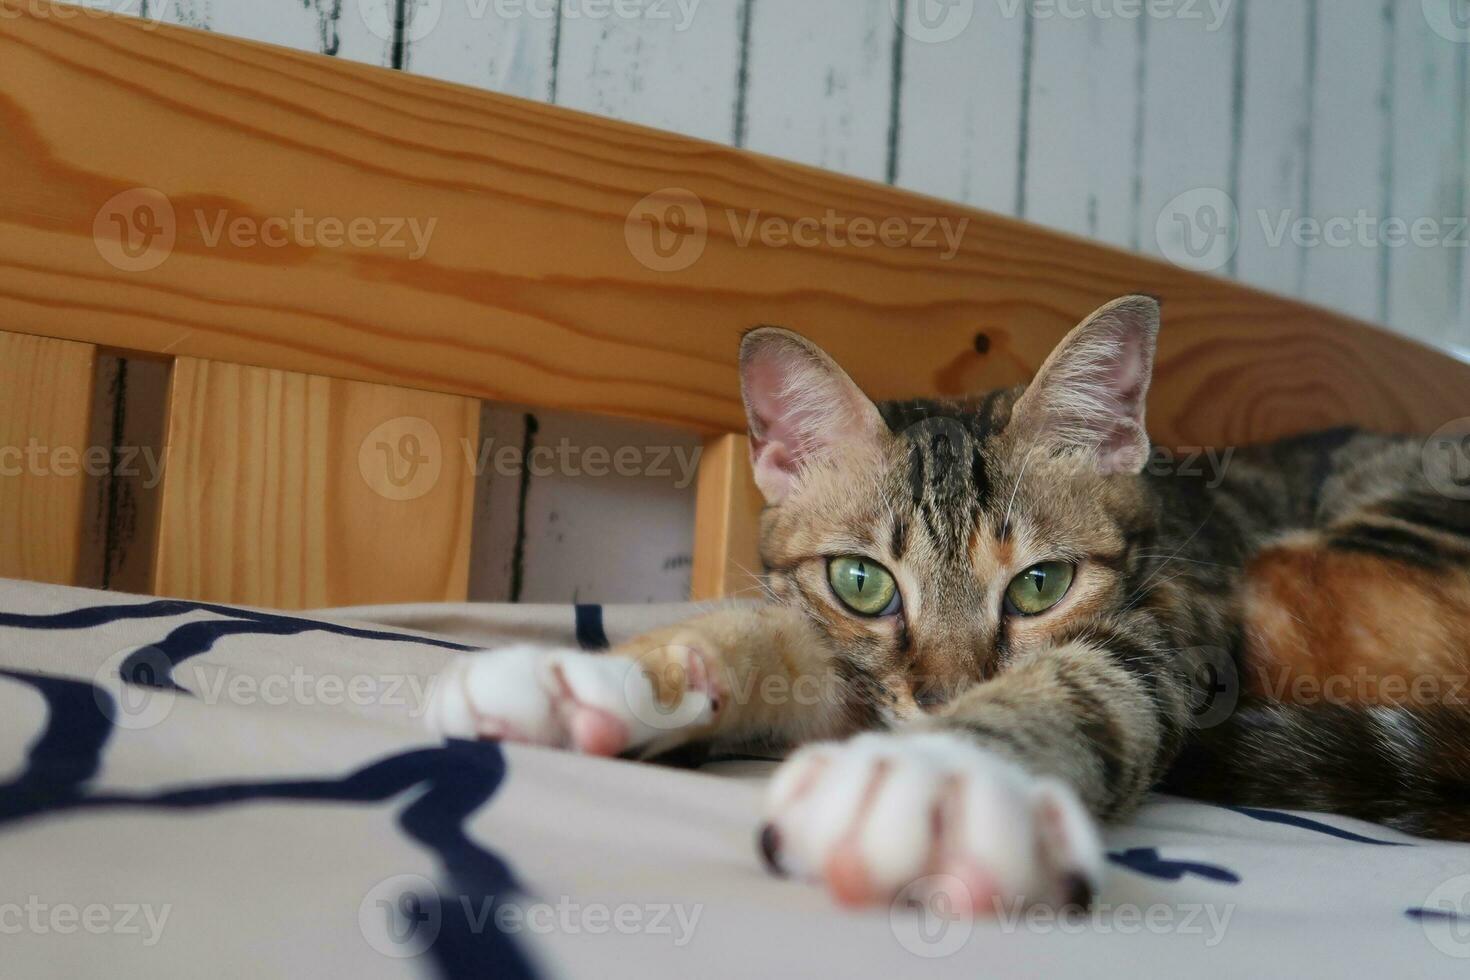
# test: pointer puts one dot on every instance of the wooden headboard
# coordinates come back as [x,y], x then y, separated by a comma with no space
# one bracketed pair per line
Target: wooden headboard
[320,375]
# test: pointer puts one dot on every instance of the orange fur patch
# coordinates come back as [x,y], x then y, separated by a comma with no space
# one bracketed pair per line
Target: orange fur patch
[1325,626]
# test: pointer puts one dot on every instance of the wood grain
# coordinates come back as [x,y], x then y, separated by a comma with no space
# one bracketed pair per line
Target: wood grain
[291,491]
[45,409]
[726,522]
[529,292]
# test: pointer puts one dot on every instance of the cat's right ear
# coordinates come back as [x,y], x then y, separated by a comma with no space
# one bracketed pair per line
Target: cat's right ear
[801,407]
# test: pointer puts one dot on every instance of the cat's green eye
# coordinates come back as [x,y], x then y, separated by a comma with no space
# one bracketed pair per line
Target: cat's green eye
[1039,588]
[863,585]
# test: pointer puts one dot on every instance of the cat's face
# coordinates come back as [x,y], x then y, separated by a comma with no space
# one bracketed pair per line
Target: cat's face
[935,542]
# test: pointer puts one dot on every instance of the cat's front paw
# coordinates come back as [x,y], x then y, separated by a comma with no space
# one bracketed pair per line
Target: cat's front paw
[884,817]
[597,704]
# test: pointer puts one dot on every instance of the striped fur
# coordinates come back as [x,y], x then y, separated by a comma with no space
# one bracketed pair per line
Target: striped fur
[1229,634]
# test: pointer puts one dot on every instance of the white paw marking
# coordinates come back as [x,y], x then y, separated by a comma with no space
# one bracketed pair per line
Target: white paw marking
[598,704]
[884,817]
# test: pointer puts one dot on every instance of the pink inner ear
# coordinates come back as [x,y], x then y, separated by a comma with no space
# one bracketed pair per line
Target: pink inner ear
[765,382]
[1129,373]
[800,406]
[781,431]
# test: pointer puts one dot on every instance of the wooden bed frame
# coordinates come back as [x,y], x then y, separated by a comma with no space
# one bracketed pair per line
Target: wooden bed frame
[294,367]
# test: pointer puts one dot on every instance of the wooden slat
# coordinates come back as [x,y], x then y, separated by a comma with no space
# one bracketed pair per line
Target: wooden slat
[1351,130]
[961,100]
[663,68]
[362,30]
[469,44]
[1083,128]
[1428,171]
[45,408]
[821,83]
[1275,129]
[529,292]
[291,491]
[1189,64]
[726,521]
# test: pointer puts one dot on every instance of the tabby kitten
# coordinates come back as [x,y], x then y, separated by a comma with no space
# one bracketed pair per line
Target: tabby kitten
[1034,630]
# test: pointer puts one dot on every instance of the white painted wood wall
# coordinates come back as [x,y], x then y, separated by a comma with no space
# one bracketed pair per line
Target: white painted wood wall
[1076,114]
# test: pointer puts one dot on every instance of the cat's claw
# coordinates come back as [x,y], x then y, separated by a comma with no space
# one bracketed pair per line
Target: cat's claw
[890,816]
[596,704]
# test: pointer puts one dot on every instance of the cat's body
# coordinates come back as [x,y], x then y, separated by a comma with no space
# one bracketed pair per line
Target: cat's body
[1045,626]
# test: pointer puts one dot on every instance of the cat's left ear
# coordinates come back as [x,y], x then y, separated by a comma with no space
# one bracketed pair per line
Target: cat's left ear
[1089,395]
[801,408]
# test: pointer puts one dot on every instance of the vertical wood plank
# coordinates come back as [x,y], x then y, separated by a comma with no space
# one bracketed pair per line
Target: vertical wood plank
[1273,153]
[359,30]
[509,49]
[1428,171]
[821,83]
[672,66]
[45,411]
[960,106]
[1083,126]
[727,522]
[291,491]
[1188,139]
[1350,130]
